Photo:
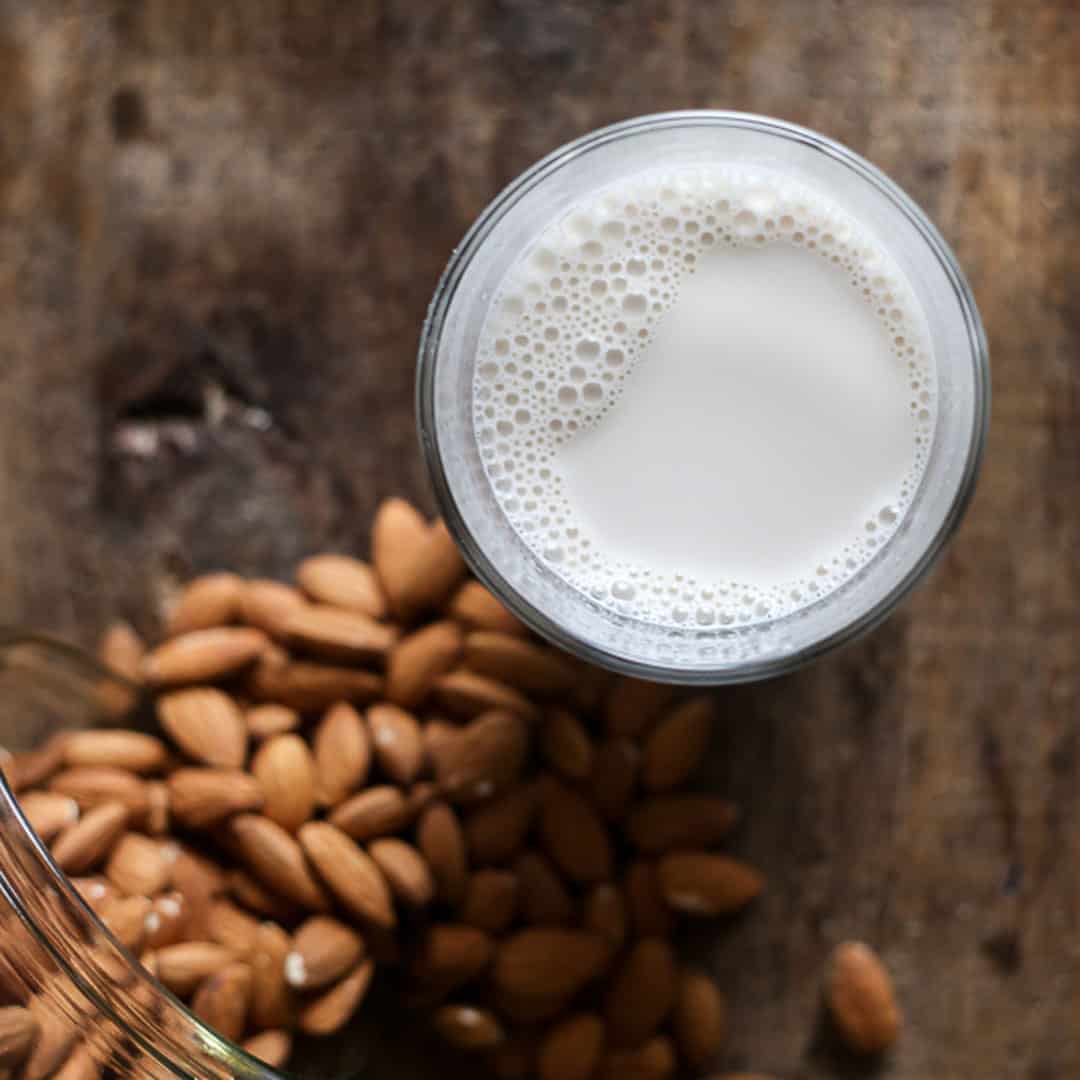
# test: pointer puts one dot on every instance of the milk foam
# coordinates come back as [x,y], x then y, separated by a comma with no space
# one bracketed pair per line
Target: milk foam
[665,315]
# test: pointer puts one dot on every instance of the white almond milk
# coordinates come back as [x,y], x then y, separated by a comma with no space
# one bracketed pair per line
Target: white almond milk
[705,397]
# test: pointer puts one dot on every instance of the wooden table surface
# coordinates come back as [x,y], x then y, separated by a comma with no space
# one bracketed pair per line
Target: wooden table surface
[220,223]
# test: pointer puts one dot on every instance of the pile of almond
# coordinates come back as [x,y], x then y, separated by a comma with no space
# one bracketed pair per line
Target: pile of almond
[378,773]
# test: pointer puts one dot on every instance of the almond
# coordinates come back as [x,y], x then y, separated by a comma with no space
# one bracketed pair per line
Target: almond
[496,831]
[276,859]
[18,1030]
[122,651]
[417,565]
[166,921]
[271,1047]
[181,968]
[82,1064]
[450,955]
[96,892]
[468,1028]
[349,872]
[491,900]
[223,999]
[342,748]
[549,962]
[613,779]
[48,813]
[486,757]
[285,770]
[465,694]
[667,822]
[256,897]
[861,999]
[605,914]
[699,883]
[544,899]
[571,1049]
[344,582]
[207,725]
[574,835]
[700,1018]
[335,634]
[641,993]
[137,866]
[117,749]
[31,768]
[417,661]
[632,705]
[91,787]
[266,605]
[199,881]
[376,812]
[271,1002]
[335,1008]
[57,1034]
[409,876]
[202,798]
[441,840]
[479,609]
[649,913]
[653,1061]
[158,808]
[309,687]
[203,656]
[678,743]
[231,927]
[518,662]
[399,748]
[566,744]
[126,920]
[266,721]
[323,951]
[83,845]
[206,602]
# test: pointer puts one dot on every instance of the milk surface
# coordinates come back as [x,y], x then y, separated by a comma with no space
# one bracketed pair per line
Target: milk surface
[705,397]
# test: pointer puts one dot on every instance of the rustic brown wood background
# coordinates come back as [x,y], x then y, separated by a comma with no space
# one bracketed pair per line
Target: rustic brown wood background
[220,223]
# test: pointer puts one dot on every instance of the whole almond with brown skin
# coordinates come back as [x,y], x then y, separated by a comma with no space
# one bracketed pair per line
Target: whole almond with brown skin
[544,900]
[518,662]
[398,535]
[408,874]
[465,694]
[31,768]
[203,656]
[479,609]
[85,844]
[349,873]
[343,582]
[549,962]
[655,1060]
[95,891]
[202,798]
[342,749]
[271,1000]
[276,859]
[137,866]
[207,725]
[338,635]
[677,745]
[861,999]
[666,822]
[266,721]
[450,955]
[117,749]
[285,770]
[699,1020]
[208,601]
[468,1027]
[416,661]
[431,573]
[441,841]
[333,1009]
[166,922]
[223,999]
[641,993]
[183,967]
[495,832]
[309,686]
[571,1049]
[126,919]
[646,905]
[267,604]
[256,897]
[121,650]
[228,925]
[158,819]
[605,914]
[632,705]
[91,787]
[574,835]
[18,1030]
[323,951]
[566,744]
[613,779]
[376,812]
[699,883]
[395,736]
[485,758]
[271,1047]
[491,900]
[48,813]
[199,881]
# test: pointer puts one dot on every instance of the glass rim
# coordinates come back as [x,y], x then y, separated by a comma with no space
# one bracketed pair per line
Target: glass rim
[431,335]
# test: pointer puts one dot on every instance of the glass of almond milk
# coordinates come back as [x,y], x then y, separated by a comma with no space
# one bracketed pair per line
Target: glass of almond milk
[703,395]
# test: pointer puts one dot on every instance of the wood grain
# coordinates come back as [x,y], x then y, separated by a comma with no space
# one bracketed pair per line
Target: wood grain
[220,225]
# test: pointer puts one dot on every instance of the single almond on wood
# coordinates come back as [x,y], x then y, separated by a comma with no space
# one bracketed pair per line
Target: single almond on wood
[203,655]
[417,661]
[91,787]
[342,749]
[343,582]
[549,962]
[266,721]
[205,602]
[48,813]
[641,993]
[571,1048]
[566,744]
[491,900]
[276,859]
[376,812]
[486,757]
[518,662]
[207,725]
[183,967]
[574,835]
[202,798]
[678,743]
[137,866]
[699,1020]
[285,770]
[544,899]
[632,704]
[117,749]
[223,999]
[18,1030]
[667,822]
[495,832]
[613,779]
[323,951]
[349,872]
[406,870]
[85,844]
[479,609]
[271,1047]
[338,635]
[464,693]
[333,1009]
[266,605]
[271,999]
[655,1060]
[861,999]
[309,686]
[468,1027]
[399,748]
[699,883]
[440,838]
